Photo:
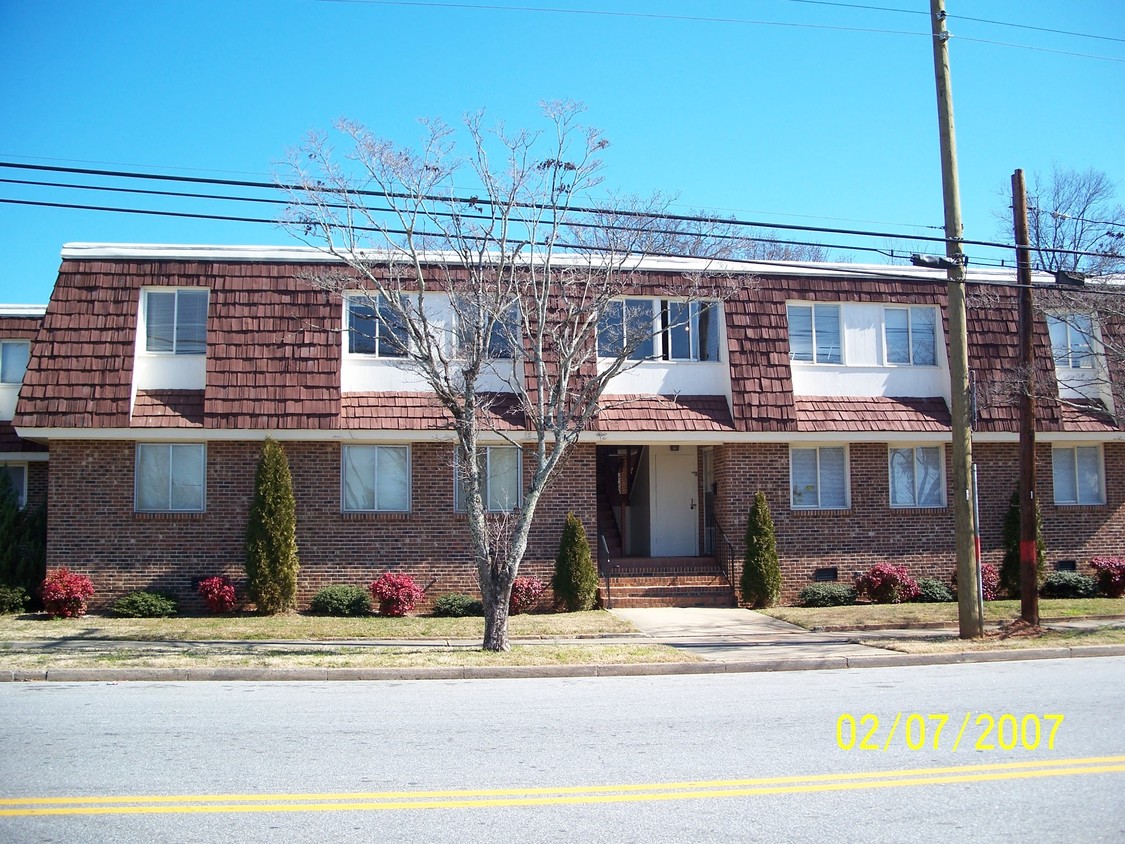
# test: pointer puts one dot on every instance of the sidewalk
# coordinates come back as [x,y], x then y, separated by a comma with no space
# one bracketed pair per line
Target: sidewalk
[723,640]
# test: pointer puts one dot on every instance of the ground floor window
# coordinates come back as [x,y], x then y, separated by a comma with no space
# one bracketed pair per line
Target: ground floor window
[917,476]
[16,475]
[170,477]
[818,478]
[376,478]
[1079,474]
[500,471]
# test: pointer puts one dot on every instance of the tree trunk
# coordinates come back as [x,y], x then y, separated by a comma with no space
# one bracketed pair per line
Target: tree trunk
[496,613]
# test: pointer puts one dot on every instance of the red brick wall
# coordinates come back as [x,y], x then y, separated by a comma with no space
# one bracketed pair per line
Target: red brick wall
[872,531]
[93,529]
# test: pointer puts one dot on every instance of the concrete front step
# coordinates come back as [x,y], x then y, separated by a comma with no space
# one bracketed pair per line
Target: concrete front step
[650,598]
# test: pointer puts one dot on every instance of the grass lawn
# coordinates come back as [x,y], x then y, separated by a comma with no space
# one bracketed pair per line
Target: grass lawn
[994,641]
[297,626]
[905,615]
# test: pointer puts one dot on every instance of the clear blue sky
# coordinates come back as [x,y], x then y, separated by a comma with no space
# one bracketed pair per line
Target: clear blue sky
[829,119]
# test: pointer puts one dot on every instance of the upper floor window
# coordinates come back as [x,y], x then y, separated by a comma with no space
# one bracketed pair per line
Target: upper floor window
[664,329]
[818,478]
[911,335]
[1078,474]
[1072,340]
[170,477]
[16,477]
[917,476]
[814,333]
[176,321]
[376,478]
[500,474]
[503,330]
[14,355]
[375,328]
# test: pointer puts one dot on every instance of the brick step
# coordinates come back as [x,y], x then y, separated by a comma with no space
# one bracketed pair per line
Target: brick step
[671,580]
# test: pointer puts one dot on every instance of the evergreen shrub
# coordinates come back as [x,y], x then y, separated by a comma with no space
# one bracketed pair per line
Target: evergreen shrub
[1069,584]
[145,605]
[827,595]
[761,571]
[933,591]
[271,534]
[575,581]
[341,601]
[13,599]
[455,605]
[1010,566]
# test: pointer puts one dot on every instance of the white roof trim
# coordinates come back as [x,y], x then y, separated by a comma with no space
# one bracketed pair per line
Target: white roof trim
[22,310]
[309,254]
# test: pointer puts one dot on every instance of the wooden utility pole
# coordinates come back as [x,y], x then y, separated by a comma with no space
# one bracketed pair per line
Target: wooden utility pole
[1029,549]
[969,613]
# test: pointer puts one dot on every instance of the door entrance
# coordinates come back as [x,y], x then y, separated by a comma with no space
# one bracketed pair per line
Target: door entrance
[674,499]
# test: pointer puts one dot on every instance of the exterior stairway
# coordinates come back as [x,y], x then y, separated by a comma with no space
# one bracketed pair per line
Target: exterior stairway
[665,582]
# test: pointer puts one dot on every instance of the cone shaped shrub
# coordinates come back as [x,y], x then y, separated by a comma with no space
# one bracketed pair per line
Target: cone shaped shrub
[271,535]
[575,582]
[761,572]
[1010,566]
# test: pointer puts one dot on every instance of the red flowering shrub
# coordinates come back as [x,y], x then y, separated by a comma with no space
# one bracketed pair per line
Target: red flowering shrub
[887,584]
[396,594]
[218,592]
[989,581]
[1111,575]
[64,593]
[525,593]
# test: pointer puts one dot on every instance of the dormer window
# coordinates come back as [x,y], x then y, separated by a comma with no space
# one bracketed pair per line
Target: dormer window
[176,321]
[374,328]
[814,334]
[910,335]
[1072,340]
[660,329]
[14,355]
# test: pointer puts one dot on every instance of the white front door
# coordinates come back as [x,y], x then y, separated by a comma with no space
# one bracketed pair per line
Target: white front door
[675,501]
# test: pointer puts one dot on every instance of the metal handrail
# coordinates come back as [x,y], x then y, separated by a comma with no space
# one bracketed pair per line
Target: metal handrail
[725,553]
[604,569]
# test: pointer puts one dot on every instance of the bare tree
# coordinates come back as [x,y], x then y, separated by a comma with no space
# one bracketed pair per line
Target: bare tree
[1074,224]
[491,282]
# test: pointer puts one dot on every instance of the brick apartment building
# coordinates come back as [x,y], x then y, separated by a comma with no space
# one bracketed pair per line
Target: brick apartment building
[155,372]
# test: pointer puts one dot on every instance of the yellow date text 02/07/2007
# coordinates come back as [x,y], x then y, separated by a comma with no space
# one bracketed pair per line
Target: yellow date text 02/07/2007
[976,731]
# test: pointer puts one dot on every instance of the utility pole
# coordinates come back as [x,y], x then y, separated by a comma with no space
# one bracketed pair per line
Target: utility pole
[970,617]
[1029,549]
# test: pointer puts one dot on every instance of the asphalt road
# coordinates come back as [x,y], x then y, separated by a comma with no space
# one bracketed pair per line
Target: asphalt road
[750,757]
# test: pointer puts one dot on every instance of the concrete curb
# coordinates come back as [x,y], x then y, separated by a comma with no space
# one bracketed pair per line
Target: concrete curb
[119,675]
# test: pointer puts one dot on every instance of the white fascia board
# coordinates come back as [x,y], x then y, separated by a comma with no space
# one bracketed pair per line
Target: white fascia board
[22,310]
[257,435]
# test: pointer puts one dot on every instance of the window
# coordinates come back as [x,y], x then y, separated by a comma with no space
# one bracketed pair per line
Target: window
[917,476]
[170,478]
[376,478]
[660,328]
[1072,338]
[1078,474]
[16,473]
[911,336]
[818,478]
[375,329]
[814,333]
[500,479]
[14,355]
[503,338]
[176,321]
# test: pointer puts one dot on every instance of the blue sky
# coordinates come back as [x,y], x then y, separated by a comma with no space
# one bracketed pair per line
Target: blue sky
[787,111]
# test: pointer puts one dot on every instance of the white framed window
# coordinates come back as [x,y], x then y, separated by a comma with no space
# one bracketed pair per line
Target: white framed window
[501,479]
[818,478]
[814,333]
[1072,340]
[16,473]
[374,328]
[1078,473]
[503,332]
[375,478]
[917,476]
[176,321]
[14,355]
[170,477]
[662,329]
[910,335]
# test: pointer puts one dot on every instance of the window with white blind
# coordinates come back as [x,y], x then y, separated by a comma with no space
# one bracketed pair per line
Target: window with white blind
[170,477]
[176,321]
[1079,474]
[500,472]
[917,476]
[818,478]
[376,478]
[815,334]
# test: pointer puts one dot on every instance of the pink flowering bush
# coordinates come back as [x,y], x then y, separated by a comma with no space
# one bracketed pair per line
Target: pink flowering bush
[396,594]
[65,593]
[1111,575]
[525,594]
[218,592]
[887,584]
[989,579]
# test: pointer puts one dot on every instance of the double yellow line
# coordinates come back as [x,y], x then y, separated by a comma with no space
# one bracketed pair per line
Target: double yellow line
[595,794]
